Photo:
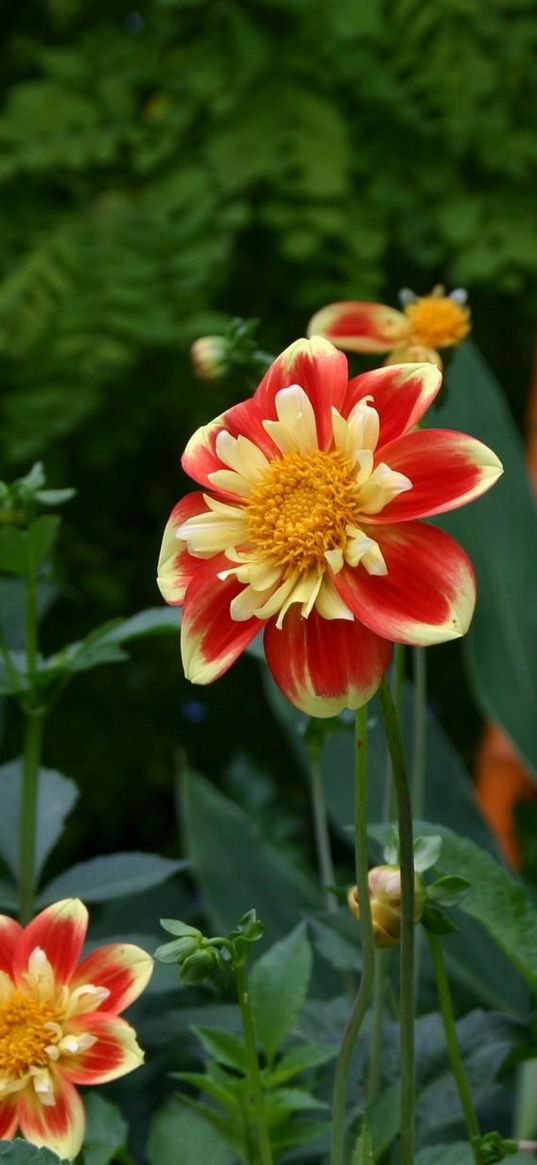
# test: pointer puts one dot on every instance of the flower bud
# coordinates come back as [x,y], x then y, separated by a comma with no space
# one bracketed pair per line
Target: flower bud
[414,354]
[385,897]
[210,357]
[196,966]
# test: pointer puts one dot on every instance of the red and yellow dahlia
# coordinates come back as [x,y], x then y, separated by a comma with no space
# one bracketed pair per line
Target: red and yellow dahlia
[59,1023]
[307,528]
[427,322]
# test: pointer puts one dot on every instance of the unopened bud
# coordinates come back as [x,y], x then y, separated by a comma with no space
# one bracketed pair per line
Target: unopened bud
[199,964]
[210,357]
[385,898]
[414,354]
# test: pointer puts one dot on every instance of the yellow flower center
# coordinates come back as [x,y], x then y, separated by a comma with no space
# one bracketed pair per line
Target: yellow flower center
[24,1034]
[436,321]
[301,507]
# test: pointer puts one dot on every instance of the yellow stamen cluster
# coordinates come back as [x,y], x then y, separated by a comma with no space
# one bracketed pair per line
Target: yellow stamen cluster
[301,507]
[26,1030]
[437,321]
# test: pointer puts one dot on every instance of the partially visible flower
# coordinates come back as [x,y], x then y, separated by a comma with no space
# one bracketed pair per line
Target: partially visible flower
[210,357]
[307,528]
[59,1023]
[426,323]
[385,899]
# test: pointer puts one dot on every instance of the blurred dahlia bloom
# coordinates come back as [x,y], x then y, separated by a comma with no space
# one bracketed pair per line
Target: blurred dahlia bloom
[306,528]
[427,322]
[59,1023]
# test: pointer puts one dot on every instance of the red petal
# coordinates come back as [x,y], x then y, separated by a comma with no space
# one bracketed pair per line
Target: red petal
[58,1126]
[319,369]
[122,968]
[8,1117]
[361,327]
[10,932]
[428,594]
[401,395]
[325,665]
[114,1053]
[210,639]
[60,931]
[446,470]
[175,565]
[199,459]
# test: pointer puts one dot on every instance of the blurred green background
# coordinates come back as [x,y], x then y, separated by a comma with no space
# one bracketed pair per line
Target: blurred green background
[164,166]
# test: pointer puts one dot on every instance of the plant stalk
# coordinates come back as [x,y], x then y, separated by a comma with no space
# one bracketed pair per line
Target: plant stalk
[320,821]
[368,949]
[406,851]
[377,1025]
[33,741]
[419,754]
[254,1075]
[448,1020]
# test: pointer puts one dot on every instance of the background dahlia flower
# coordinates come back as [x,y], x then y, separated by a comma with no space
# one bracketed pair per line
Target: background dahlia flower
[307,528]
[59,1023]
[426,323]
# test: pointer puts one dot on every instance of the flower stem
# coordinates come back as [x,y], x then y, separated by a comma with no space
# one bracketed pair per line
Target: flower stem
[320,821]
[368,949]
[377,1024]
[448,1019]
[254,1076]
[28,813]
[419,730]
[406,850]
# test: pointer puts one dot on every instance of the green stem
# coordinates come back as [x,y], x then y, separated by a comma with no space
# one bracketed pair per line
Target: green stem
[377,1025]
[254,1075]
[419,730]
[406,851]
[397,681]
[320,821]
[368,948]
[31,624]
[28,813]
[448,1019]
[11,670]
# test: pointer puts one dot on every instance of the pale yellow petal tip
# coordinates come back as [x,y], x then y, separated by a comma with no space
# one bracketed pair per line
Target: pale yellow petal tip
[314,346]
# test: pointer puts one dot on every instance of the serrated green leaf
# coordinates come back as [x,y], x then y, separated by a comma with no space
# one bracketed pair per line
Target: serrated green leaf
[20,1152]
[111,876]
[176,1126]
[278,987]
[56,798]
[225,1047]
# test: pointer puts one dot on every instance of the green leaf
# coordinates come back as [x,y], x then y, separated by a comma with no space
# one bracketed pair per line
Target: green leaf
[278,987]
[426,853]
[112,876]
[55,799]
[22,551]
[236,867]
[300,1059]
[336,938]
[153,621]
[283,1102]
[363,1150]
[458,1153]
[19,1152]
[447,891]
[501,647]
[224,1047]
[176,1129]
[106,1130]
[436,921]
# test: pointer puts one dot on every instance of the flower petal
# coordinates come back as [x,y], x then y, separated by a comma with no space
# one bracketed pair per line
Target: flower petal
[175,565]
[200,458]
[210,639]
[447,469]
[325,665]
[10,932]
[114,1053]
[124,969]
[361,327]
[59,931]
[317,367]
[58,1126]
[401,395]
[428,594]
[8,1117]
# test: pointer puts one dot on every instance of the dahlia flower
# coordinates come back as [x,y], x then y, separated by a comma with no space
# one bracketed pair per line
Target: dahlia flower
[59,1023]
[307,528]
[427,322]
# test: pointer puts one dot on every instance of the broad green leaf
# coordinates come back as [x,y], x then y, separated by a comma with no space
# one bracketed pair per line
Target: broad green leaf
[337,939]
[500,534]
[363,1150]
[112,876]
[458,1153]
[300,1059]
[224,1047]
[384,1118]
[298,1132]
[22,551]
[277,988]
[55,799]
[426,851]
[237,868]
[20,1152]
[176,1129]
[106,1130]
[283,1102]
[153,621]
